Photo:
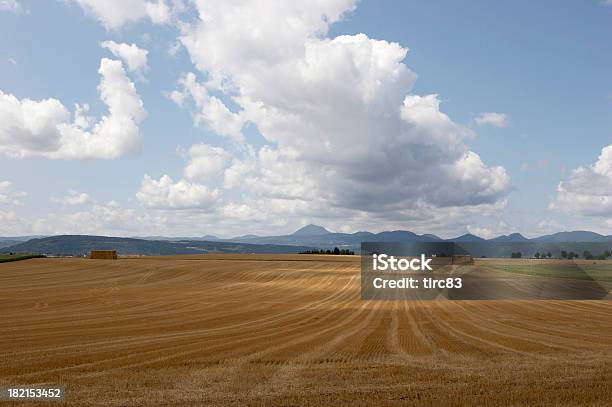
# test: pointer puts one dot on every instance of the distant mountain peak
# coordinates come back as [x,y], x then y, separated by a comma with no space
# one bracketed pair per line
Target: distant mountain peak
[511,238]
[311,230]
[468,237]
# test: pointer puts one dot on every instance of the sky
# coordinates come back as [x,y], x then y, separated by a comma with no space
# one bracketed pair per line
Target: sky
[188,118]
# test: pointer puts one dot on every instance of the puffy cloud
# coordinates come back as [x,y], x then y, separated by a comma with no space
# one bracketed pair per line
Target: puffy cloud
[113,14]
[204,162]
[135,58]
[44,128]
[493,119]
[8,196]
[167,194]
[345,136]
[73,198]
[10,5]
[588,190]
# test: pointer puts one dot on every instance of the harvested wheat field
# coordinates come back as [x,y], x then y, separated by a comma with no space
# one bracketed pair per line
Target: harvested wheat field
[286,330]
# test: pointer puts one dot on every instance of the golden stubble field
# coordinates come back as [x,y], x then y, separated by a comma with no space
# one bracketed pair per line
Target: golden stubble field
[286,330]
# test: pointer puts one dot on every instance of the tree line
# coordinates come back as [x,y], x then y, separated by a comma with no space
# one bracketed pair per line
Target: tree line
[567,255]
[335,250]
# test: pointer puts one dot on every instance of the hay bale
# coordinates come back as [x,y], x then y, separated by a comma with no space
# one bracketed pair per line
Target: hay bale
[103,254]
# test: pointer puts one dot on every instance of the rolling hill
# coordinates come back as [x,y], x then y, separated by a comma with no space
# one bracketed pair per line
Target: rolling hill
[79,245]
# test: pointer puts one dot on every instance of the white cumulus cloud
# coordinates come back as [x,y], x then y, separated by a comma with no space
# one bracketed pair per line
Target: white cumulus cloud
[588,190]
[343,129]
[205,161]
[45,128]
[135,58]
[113,14]
[167,194]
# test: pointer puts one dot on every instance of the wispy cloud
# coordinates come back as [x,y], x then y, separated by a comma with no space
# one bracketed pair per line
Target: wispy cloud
[73,198]
[8,196]
[10,5]
[493,119]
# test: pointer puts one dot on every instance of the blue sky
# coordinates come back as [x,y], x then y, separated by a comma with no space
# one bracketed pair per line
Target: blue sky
[544,67]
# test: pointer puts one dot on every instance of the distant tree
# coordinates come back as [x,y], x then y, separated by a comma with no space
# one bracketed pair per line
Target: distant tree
[516,255]
[537,255]
[607,253]
[563,254]
[336,250]
[588,255]
[549,254]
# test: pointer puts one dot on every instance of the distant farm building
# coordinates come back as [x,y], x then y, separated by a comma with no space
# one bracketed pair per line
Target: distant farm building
[103,254]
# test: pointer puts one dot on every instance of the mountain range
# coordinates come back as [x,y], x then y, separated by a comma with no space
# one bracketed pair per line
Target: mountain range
[305,238]
[318,235]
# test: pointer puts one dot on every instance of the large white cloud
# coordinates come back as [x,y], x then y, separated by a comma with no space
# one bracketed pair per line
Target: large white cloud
[113,14]
[588,190]
[343,130]
[135,58]
[45,128]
